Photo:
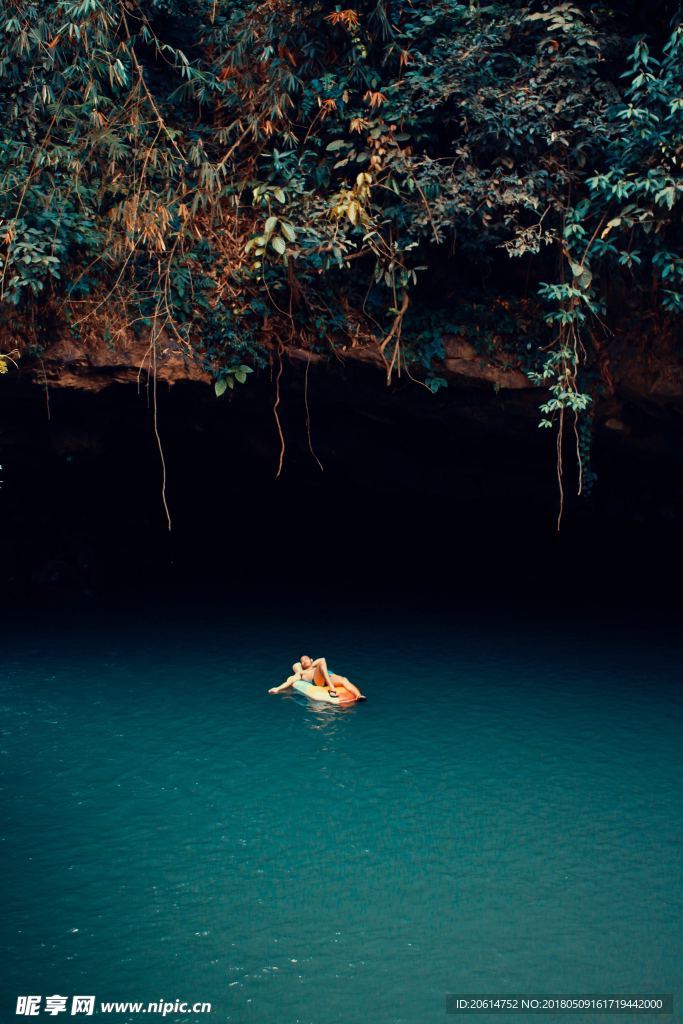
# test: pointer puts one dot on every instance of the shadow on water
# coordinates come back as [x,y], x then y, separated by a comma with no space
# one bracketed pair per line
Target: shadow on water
[324,717]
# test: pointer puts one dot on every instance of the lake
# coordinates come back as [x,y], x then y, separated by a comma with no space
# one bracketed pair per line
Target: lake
[503,814]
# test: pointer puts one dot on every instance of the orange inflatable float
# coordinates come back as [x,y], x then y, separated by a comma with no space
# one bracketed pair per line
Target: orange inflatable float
[318,691]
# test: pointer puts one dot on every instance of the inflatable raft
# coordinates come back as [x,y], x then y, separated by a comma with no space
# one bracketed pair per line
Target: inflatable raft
[321,693]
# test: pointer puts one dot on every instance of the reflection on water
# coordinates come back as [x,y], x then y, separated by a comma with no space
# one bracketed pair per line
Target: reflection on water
[324,717]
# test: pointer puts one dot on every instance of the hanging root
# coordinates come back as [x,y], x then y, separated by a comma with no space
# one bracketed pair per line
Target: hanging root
[395,332]
[560,469]
[275,412]
[156,431]
[579,460]
[308,417]
[47,390]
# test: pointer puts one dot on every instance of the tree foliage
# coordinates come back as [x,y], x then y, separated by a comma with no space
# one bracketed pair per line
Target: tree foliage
[241,175]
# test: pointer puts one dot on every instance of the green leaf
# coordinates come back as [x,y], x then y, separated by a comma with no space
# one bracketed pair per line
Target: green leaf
[288,231]
[336,144]
[271,224]
[220,386]
[278,244]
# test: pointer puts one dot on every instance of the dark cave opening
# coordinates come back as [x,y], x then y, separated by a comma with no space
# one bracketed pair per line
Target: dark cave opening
[458,489]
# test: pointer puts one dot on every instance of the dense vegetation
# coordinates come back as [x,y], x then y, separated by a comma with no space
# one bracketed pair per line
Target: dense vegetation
[242,176]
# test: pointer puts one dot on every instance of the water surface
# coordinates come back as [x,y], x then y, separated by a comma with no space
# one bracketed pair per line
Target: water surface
[503,814]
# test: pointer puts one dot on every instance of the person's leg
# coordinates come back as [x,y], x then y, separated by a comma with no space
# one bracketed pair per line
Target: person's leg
[319,680]
[343,681]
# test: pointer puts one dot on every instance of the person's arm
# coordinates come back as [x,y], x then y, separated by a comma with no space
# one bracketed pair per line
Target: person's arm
[284,686]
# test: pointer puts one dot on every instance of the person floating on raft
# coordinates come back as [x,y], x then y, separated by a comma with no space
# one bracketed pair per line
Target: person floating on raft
[314,670]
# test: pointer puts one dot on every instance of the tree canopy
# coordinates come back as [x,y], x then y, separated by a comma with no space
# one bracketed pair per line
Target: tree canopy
[242,175]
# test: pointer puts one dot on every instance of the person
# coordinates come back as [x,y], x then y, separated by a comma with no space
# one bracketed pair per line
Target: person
[315,670]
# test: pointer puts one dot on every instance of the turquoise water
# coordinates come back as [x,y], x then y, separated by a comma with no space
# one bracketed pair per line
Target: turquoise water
[504,813]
